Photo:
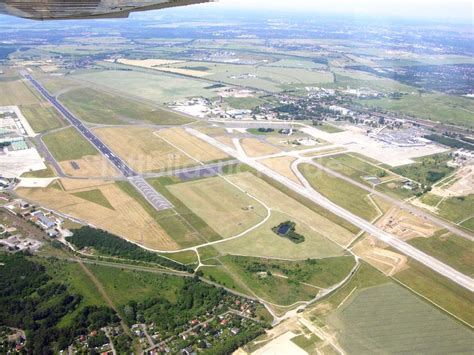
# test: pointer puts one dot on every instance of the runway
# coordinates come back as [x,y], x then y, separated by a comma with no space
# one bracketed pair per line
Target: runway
[151,195]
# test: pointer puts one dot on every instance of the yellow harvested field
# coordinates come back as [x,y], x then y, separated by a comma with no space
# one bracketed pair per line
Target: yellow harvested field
[256,148]
[182,71]
[282,165]
[147,63]
[127,218]
[143,150]
[325,152]
[373,252]
[89,165]
[406,225]
[278,201]
[224,207]
[158,64]
[226,140]
[194,147]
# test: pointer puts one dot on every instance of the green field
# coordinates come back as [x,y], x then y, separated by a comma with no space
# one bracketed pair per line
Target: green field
[123,286]
[68,144]
[395,189]
[154,86]
[264,78]
[438,289]
[339,191]
[426,171]
[353,167]
[437,107]
[390,319]
[244,103]
[307,342]
[45,173]
[221,205]
[450,249]
[328,128]
[457,209]
[94,196]
[42,118]
[294,280]
[183,257]
[221,276]
[263,242]
[264,285]
[98,107]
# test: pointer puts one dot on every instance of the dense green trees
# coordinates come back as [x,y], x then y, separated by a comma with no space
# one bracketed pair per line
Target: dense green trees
[31,301]
[109,244]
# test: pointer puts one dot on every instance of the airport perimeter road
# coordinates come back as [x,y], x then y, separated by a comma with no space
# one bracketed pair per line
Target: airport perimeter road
[311,194]
[150,194]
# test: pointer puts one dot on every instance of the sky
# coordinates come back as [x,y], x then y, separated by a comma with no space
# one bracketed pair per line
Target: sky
[429,9]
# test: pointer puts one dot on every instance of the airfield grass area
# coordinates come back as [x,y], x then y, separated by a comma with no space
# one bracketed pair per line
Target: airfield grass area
[16,92]
[341,192]
[99,107]
[354,167]
[68,144]
[262,77]
[89,166]
[95,196]
[263,242]
[142,149]
[256,148]
[225,208]
[42,117]
[457,209]
[395,189]
[44,173]
[279,201]
[450,249]
[328,128]
[192,146]
[185,228]
[438,289]
[156,87]
[437,107]
[127,218]
[282,165]
[388,318]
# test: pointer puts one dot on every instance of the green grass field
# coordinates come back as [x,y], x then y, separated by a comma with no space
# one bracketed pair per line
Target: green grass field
[45,173]
[263,242]
[221,205]
[395,189]
[123,286]
[68,144]
[438,289]
[437,107]
[98,107]
[450,249]
[184,257]
[339,191]
[42,118]
[426,171]
[457,209]
[307,342]
[353,167]
[95,196]
[390,319]
[328,128]
[265,285]
[154,86]
[221,276]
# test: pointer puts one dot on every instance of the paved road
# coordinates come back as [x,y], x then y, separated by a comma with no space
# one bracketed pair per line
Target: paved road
[151,195]
[317,198]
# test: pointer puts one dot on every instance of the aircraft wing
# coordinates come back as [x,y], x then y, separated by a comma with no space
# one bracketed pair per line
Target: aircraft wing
[83,9]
